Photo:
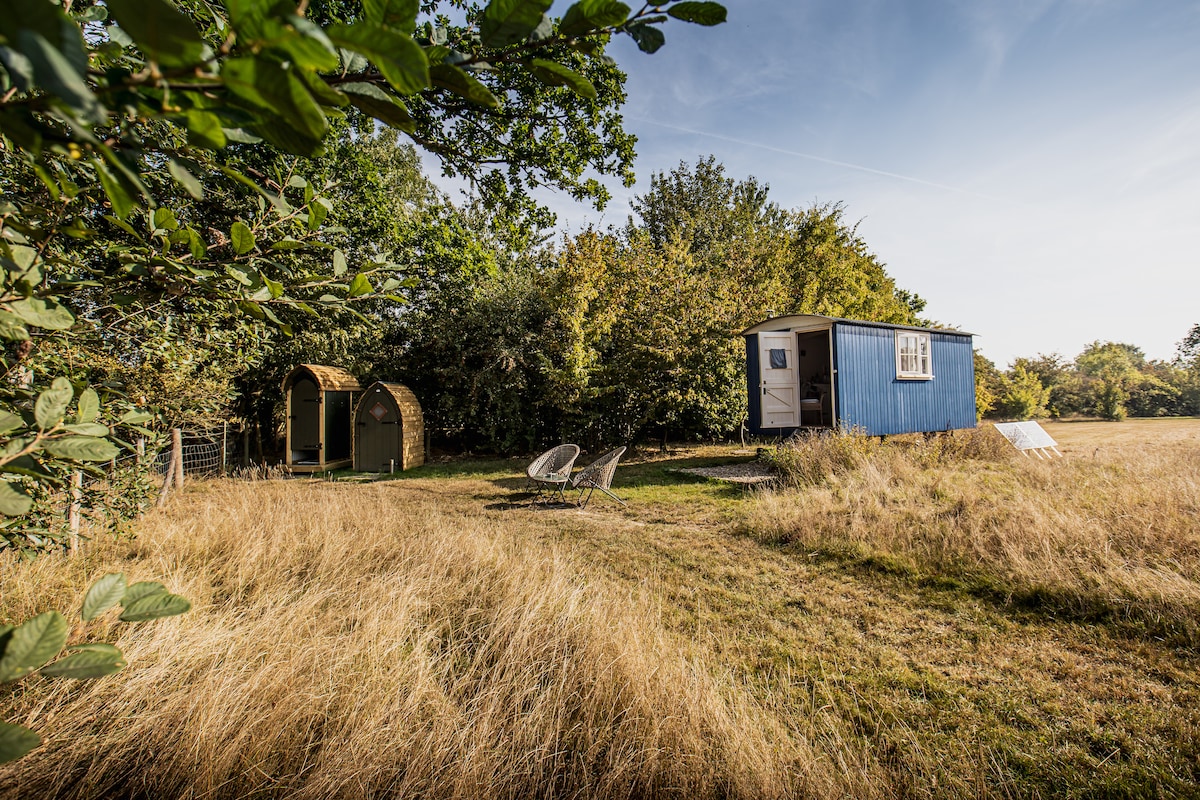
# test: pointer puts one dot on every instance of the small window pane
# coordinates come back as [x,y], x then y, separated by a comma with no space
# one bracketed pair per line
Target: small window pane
[778,358]
[913,356]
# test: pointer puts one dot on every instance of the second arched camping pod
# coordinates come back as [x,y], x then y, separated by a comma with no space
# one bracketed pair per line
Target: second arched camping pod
[389,431]
[320,402]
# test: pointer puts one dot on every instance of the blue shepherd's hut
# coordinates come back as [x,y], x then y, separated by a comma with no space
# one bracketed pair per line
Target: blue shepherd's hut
[809,371]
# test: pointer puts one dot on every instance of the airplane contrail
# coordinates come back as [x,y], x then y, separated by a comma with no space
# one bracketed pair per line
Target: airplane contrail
[821,159]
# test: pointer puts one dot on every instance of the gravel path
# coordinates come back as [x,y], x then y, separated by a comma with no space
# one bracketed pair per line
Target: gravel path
[749,473]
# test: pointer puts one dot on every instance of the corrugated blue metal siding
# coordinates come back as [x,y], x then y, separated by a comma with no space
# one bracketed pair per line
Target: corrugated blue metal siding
[870,397]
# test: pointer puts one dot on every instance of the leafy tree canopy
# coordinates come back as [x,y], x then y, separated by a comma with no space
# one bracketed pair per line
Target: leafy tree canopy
[149,154]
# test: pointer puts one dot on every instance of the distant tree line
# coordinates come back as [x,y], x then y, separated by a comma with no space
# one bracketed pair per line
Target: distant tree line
[1109,380]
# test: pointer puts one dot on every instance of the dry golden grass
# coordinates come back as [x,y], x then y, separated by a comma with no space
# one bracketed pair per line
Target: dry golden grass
[355,641]
[1109,531]
[425,637]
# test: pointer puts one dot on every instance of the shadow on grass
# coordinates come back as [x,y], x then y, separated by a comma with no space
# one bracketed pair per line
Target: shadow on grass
[648,472]
[1131,618]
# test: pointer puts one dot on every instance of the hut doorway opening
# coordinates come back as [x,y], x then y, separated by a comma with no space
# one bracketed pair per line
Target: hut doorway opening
[796,385]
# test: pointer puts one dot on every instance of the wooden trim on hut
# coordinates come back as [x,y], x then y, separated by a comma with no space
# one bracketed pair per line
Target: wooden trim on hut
[327,380]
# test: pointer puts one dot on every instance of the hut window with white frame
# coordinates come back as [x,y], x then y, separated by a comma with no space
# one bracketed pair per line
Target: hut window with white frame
[914,359]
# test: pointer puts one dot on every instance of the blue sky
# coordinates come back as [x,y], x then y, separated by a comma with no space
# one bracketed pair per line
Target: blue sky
[1030,167]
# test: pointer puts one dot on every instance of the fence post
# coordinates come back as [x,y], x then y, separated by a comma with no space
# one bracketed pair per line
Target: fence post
[76,508]
[174,473]
[224,446]
[177,455]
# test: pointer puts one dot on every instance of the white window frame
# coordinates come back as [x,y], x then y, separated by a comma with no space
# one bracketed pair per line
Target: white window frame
[914,356]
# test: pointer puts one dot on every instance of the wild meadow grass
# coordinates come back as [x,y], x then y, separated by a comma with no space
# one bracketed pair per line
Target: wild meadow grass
[1110,534]
[919,619]
[358,642]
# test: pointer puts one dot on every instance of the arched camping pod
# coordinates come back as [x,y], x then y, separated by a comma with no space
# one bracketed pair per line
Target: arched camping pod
[320,402]
[389,431]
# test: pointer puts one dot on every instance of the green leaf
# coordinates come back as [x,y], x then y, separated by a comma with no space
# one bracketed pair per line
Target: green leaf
[555,74]
[43,313]
[88,429]
[304,42]
[27,465]
[13,500]
[339,262]
[317,212]
[89,405]
[242,238]
[287,329]
[140,590]
[276,88]
[94,14]
[275,287]
[10,422]
[160,30]
[16,741]
[359,286]
[103,595]
[398,14]
[375,102]
[85,665]
[196,244]
[11,327]
[51,404]
[48,21]
[251,308]
[82,448]
[164,219]
[590,15]
[118,197]
[461,83]
[401,60]
[204,129]
[705,13]
[155,606]
[186,179]
[649,38]
[32,644]
[508,22]
[135,417]
[56,75]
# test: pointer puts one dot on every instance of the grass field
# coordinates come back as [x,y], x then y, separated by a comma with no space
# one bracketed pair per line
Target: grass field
[912,625]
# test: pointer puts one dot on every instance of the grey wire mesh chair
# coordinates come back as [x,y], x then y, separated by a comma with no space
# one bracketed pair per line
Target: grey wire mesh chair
[598,475]
[551,471]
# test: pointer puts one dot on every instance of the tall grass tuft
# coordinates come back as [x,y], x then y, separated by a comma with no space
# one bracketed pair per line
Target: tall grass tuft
[1106,536]
[356,642]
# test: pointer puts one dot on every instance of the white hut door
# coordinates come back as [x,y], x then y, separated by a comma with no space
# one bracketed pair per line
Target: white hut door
[780,386]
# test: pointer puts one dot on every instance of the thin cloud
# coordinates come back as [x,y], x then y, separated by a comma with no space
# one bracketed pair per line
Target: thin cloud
[821,159]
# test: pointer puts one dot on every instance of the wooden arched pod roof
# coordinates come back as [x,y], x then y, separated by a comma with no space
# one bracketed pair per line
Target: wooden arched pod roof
[405,399]
[327,379]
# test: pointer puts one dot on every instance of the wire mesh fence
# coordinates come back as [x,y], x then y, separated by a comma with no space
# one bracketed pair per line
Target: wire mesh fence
[206,452]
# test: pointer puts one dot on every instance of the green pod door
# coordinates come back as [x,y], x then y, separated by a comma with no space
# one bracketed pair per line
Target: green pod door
[380,434]
[305,422]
